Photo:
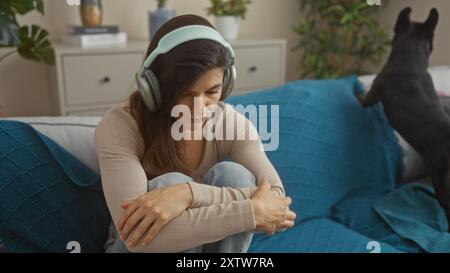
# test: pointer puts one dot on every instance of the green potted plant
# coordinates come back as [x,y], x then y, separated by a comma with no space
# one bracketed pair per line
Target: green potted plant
[31,42]
[228,15]
[339,37]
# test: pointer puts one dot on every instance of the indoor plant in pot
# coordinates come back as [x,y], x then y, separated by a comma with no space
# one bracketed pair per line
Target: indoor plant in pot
[228,15]
[31,42]
[339,37]
[160,16]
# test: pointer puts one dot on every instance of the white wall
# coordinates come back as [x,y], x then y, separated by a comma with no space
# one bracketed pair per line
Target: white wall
[24,86]
[29,96]
[421,9]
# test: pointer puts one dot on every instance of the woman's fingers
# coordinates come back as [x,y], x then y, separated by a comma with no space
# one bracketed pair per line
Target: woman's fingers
[126,205]
[126,214]
[131,222]
[290,215]
[142,228]
[270,229]
[287,201]
[285,224]
[154,230]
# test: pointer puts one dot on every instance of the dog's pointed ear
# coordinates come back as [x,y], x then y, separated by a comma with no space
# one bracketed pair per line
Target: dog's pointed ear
[431,22]
[403,20]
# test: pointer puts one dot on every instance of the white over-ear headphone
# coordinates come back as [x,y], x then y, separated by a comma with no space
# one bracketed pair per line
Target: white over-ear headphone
[148,83]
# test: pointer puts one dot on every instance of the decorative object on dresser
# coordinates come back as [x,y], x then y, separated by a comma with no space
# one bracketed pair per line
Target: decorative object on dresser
[91,13]
[88,82]
[82,30]
[228,14]
[96,40]
[159,17]
[91,34]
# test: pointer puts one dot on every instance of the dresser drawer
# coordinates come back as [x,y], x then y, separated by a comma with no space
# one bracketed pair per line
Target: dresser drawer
[98,79]
[258,67]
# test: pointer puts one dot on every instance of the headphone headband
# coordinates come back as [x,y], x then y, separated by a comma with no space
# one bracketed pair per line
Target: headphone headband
[148,83]
[185,34]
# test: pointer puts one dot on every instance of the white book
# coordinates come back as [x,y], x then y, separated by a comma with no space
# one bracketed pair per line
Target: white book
[96,40]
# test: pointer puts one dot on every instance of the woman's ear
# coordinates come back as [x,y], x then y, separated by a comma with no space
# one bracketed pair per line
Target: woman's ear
[403,21]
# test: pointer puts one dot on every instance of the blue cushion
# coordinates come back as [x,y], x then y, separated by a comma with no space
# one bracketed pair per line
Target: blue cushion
[320,235]
[415,214]
[331,148]
[49,198]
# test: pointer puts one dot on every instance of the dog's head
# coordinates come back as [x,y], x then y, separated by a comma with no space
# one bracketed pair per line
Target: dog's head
[419,35]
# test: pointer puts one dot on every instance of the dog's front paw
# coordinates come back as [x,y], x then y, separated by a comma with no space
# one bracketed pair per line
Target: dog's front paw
[361,98]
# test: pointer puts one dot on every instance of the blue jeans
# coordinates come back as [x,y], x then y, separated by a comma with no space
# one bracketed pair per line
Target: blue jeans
[222,174]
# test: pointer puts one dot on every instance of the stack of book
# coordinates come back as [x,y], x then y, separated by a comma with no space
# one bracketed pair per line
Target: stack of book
[93,37]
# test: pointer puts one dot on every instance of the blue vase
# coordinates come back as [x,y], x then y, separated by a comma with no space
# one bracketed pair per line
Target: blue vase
[158,18]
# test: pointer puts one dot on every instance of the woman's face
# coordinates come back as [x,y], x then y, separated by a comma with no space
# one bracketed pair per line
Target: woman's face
[205,92]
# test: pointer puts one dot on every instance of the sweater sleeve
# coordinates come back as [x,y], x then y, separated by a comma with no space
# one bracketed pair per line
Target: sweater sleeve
[246,149]
[123,178]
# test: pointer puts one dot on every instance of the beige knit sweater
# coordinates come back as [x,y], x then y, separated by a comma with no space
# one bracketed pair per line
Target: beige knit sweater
[215,212]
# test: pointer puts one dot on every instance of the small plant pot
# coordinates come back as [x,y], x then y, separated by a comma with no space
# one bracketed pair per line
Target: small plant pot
[228,26]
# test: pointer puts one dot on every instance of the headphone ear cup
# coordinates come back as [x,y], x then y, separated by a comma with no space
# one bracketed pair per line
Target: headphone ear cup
[144,90]
[153,89]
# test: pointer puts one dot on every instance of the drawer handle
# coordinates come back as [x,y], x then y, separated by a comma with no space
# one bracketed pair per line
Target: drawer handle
[253,69]
[105,80]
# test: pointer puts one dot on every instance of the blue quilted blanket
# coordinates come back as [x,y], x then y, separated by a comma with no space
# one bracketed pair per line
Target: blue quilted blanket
[335,159]
[50,201]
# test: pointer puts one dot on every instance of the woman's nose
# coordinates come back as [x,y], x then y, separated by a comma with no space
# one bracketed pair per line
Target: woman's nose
[199,105]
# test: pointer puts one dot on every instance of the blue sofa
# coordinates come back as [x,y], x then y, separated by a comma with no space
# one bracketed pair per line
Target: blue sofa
[340,163]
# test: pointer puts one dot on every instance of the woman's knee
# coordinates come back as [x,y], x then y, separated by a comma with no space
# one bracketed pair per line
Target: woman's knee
[229,174]
[168,179]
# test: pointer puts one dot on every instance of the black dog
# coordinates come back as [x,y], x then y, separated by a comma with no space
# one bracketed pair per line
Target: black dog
[410,101]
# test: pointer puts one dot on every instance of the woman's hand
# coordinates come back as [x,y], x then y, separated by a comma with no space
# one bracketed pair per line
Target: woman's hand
[271,212]
[151,211]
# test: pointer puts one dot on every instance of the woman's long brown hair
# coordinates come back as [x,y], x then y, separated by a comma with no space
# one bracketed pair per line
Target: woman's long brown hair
[176,71]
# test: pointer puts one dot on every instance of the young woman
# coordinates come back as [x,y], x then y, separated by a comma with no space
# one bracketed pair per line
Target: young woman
[168,195]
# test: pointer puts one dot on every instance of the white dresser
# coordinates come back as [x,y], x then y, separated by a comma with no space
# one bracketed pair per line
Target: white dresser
[87,82]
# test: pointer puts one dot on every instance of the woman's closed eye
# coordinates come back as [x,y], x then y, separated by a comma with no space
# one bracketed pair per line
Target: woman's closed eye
[212,92]
[209,92]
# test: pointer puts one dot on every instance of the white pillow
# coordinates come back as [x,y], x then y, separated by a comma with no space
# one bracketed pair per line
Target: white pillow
[439,74]
[441,79]
[413,164]
[76,134]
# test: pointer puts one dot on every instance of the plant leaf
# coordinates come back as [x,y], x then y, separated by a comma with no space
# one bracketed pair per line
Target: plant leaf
[22,6]
[36,45]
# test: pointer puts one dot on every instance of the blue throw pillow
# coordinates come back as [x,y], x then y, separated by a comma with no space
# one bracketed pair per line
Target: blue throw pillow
[330,147]
[49,200]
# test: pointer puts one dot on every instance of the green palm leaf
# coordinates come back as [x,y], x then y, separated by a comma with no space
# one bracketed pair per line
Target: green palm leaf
[36,45]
